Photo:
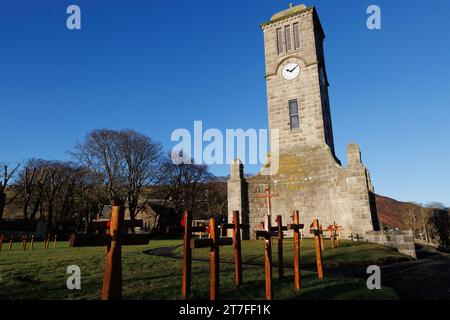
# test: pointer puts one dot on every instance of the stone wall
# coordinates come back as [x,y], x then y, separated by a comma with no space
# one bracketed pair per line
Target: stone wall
[312,182]
[403,241]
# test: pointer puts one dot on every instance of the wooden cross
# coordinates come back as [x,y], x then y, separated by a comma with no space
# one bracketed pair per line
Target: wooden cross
[267,261]
[352,237]
[318,232]
[280,246]
[46,241]
[278,231]
[337,232]
[32,242]
[236,227]
[296,226]
[267,243]
[267,236]
[114,240]
[322,240]
[186,222]
[213,242]
[267,196]
[11,239]
[24,243]
[333,229]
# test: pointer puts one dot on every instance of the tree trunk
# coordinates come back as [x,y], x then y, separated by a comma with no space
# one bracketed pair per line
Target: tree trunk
[25,211]
[50,214]
[2,204]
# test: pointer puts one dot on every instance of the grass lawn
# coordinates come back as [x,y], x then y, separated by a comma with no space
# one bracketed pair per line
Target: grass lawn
[42,274]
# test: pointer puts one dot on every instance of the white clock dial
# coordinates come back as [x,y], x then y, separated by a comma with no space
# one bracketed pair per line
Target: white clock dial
[291,71]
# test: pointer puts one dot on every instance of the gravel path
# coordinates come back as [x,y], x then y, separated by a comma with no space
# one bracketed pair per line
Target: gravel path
[426,278]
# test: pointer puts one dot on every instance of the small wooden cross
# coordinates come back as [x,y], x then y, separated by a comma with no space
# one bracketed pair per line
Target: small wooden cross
[186,223]
[318,232]
[24,242]
[337,232]
[296,226]
[280,246]
[32,242]
[267,196]
[214,242]
[268,242]
[114,240]
[11,239]
[46,241]
[266,235]
[236,227]
[333,229]
[322,240]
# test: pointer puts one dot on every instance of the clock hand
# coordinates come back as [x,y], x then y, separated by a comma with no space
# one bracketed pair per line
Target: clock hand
[293,69]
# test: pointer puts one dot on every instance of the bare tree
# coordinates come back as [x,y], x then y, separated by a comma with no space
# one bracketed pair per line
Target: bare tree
[411,220]
[5,178]
[126,160]
[430,223]
[143,158]
[216,196]
[30,189]
[439,224]
[91,195]
[100,153]
[57,176]
[185,184]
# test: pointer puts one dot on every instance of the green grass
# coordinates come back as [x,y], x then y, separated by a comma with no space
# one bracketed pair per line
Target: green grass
[42,274]
[348,254]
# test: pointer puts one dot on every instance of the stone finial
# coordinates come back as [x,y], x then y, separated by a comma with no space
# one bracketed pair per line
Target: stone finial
[291,5]
[237,170]
[353,154]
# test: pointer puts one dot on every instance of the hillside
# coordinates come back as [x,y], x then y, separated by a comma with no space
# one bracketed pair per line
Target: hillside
[392,212]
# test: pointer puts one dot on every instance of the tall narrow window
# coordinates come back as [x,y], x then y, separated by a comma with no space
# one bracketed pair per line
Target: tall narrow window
[296,36]
[280,41]
[293,114]
[287,36]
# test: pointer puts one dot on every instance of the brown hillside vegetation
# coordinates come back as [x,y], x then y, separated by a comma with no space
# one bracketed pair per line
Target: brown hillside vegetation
[392,212]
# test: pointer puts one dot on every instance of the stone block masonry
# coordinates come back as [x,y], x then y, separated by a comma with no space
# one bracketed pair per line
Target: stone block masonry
[403,241]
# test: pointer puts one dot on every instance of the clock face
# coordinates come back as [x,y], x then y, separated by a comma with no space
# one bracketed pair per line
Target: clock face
[291,71]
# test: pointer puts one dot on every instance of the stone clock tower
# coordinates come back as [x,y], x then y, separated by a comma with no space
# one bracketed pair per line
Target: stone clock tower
[297,86]
[309,177]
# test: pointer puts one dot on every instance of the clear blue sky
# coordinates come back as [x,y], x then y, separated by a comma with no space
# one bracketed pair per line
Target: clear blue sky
[158,65]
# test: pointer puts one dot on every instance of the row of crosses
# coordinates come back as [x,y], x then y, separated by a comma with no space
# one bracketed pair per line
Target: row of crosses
[269,231]
[217,239]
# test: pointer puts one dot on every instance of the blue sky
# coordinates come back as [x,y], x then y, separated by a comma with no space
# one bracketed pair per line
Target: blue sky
[158,65]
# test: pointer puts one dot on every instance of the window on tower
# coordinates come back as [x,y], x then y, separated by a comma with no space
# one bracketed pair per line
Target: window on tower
[296,35]
[287,32]
[293,114]
[280,41]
